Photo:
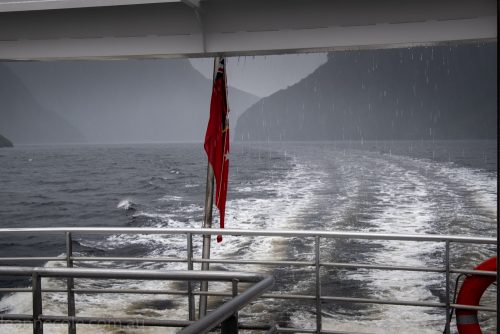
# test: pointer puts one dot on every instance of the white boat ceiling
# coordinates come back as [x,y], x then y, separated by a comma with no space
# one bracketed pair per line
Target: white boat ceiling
[107,29]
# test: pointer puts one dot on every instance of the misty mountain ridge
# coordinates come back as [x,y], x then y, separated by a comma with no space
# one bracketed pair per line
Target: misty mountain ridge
[4,142]
[128,101]
[24,121]
[437,92]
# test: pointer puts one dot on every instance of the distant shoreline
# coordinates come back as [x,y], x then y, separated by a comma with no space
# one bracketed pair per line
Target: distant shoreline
[239,141]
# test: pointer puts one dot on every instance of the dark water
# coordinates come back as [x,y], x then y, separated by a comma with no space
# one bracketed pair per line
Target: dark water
[390,187]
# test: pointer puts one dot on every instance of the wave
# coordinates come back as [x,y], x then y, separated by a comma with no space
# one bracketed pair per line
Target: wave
[171,198]
[126,204]
[482,186]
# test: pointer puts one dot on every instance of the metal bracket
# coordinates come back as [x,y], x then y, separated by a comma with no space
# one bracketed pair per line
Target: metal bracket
[196,6]
[192,3]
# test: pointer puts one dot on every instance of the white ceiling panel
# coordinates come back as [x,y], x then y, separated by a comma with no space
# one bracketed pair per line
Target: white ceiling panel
[104,29]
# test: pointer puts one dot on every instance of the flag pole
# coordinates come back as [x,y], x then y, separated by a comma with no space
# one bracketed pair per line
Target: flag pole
[207,223]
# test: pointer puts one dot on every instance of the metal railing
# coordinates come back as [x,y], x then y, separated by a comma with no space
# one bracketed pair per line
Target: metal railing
[319,236]
[224,314]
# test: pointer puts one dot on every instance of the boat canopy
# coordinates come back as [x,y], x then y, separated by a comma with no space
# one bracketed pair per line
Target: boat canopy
[108,29]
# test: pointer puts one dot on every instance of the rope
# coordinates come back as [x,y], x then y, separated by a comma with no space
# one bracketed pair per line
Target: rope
[453,300]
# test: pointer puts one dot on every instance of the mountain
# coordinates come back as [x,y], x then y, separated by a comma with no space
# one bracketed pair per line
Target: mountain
[24,120]
[440,92]
[128,101]
[4,142]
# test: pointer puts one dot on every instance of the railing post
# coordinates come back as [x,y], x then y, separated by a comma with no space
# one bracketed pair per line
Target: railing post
[447,268]
[318,286]
[70,284]
[230,325]
[37,303]
[191,304]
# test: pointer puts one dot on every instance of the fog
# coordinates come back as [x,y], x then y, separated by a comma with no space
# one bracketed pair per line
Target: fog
[440,92]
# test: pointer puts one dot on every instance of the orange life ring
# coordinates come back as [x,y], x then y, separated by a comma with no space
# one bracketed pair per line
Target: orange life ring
[470,293]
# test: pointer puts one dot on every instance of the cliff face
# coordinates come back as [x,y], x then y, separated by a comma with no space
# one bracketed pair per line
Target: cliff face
[4,142]
[24,120]
[416,93]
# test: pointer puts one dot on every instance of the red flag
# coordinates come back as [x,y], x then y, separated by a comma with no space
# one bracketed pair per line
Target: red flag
[217,139]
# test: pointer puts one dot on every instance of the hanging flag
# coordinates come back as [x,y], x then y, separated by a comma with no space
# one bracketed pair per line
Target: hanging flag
[217,139]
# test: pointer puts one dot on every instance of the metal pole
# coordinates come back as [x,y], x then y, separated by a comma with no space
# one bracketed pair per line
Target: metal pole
[447,268]
[207,223]
[70,283]
[318,286]
[230,325]
[190,283]
[37,303]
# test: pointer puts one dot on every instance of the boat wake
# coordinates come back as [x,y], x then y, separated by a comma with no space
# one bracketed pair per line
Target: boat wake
[320,187]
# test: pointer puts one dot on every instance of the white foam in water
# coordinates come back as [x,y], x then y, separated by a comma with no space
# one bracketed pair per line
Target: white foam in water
[125,204]
[294,193]
[171,198]
[403,198]
[410,198]
[483,186]
[407,210]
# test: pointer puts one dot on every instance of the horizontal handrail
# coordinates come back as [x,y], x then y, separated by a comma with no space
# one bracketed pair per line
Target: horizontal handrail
[34,258]
[257,262]
[252,232]
[268,296]
[174,275]
[125,259]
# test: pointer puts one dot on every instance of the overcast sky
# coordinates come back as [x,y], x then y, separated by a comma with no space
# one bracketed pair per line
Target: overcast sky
[264,75]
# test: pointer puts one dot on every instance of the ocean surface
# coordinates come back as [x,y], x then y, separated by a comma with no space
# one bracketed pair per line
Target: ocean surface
[436,187]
